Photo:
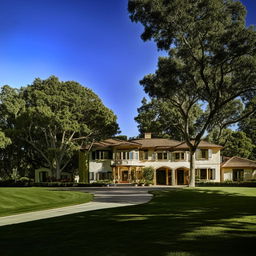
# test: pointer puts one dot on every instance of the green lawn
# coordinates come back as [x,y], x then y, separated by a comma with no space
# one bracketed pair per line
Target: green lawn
[18,200]
[201,221]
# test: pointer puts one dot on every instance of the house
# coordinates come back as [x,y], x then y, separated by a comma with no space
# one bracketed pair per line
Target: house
[123,161]
[238,169]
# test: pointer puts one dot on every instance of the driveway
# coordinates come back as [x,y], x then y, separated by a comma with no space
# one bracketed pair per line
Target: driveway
[107,197]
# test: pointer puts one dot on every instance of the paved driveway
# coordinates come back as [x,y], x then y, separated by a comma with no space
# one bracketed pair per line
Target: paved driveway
[107,197]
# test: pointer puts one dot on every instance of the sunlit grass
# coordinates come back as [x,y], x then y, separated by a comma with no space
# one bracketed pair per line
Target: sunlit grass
[18,200]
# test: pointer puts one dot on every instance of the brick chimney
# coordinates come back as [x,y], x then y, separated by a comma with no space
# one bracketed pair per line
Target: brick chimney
[147,135]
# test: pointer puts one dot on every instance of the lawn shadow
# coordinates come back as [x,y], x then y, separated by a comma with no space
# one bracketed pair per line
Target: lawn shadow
[179,222]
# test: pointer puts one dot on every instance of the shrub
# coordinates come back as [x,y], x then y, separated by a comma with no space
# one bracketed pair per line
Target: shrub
[148,174]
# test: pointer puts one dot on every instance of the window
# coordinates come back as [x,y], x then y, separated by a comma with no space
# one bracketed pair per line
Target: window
[238,175]
[211,174]
[145,155]
[203,174]
[105,175]
[202,154]
[162,156]
[206,174]
[101,155]
[91,175]
[179,156]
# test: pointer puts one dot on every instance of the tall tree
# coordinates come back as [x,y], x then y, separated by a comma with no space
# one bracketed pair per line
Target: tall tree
[248,126]
[211,60]
[55,118]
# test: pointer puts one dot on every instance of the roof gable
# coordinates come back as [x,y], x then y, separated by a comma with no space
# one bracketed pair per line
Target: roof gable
[239,162]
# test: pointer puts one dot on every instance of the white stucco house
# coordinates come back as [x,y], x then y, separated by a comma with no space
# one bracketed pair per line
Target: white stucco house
[123,161]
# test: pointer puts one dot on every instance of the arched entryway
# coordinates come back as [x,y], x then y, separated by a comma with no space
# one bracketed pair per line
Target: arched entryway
[182,176]
[163,176]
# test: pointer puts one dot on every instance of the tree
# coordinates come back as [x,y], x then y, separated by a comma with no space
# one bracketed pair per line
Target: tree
[248,126]
[235,143]
[56,118]
[160,118]
[211,61]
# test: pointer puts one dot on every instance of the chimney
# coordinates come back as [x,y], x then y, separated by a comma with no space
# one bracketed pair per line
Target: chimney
[147,135]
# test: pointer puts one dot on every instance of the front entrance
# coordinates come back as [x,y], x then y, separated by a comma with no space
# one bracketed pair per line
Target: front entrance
[161,177]
[125,176]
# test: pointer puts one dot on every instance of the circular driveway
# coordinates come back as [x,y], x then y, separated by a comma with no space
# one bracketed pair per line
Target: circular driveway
[122,194]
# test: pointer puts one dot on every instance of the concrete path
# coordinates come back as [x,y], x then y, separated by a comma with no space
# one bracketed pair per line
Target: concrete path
[107,197]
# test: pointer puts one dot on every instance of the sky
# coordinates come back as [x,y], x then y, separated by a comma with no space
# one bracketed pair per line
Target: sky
[92,42]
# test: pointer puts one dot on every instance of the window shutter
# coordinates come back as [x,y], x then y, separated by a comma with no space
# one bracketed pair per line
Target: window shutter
[141,153]
[210,153]
[214,174]
[197,154]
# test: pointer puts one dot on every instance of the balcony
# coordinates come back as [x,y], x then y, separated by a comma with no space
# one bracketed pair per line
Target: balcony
[125,162]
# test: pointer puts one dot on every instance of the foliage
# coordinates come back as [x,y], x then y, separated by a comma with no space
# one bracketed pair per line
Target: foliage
[248,126]
[148,174]
[121,137]
[51,120]
[211,62]
[4,141]
[235,143]
[159,117]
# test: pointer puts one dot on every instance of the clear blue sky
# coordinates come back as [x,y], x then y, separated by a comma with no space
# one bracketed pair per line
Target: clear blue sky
[90,41]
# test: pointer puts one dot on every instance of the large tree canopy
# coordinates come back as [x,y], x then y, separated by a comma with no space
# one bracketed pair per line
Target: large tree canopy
[161,119]
[235,143]
[211,61]
[55,118]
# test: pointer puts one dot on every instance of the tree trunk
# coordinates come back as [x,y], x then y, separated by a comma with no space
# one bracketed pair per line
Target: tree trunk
[192,179]
[57,170]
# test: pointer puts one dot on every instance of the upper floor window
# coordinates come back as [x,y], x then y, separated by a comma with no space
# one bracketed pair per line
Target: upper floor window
[144,155]
[179,156]
[101,155]
[162,155]
[203,154]
[127,155]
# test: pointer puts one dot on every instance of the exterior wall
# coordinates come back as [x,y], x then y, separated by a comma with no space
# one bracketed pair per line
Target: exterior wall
[249,174]
[97,166]
[213,162]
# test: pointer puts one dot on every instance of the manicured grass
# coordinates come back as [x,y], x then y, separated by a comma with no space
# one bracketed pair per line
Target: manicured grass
[18,200]
[198,222]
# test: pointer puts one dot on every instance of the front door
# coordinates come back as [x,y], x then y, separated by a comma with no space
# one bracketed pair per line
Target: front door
[180,177]
[124,176]
[161,177]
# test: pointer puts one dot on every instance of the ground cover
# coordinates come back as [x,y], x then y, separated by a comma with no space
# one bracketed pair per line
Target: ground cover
[18,200]
[197,222]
